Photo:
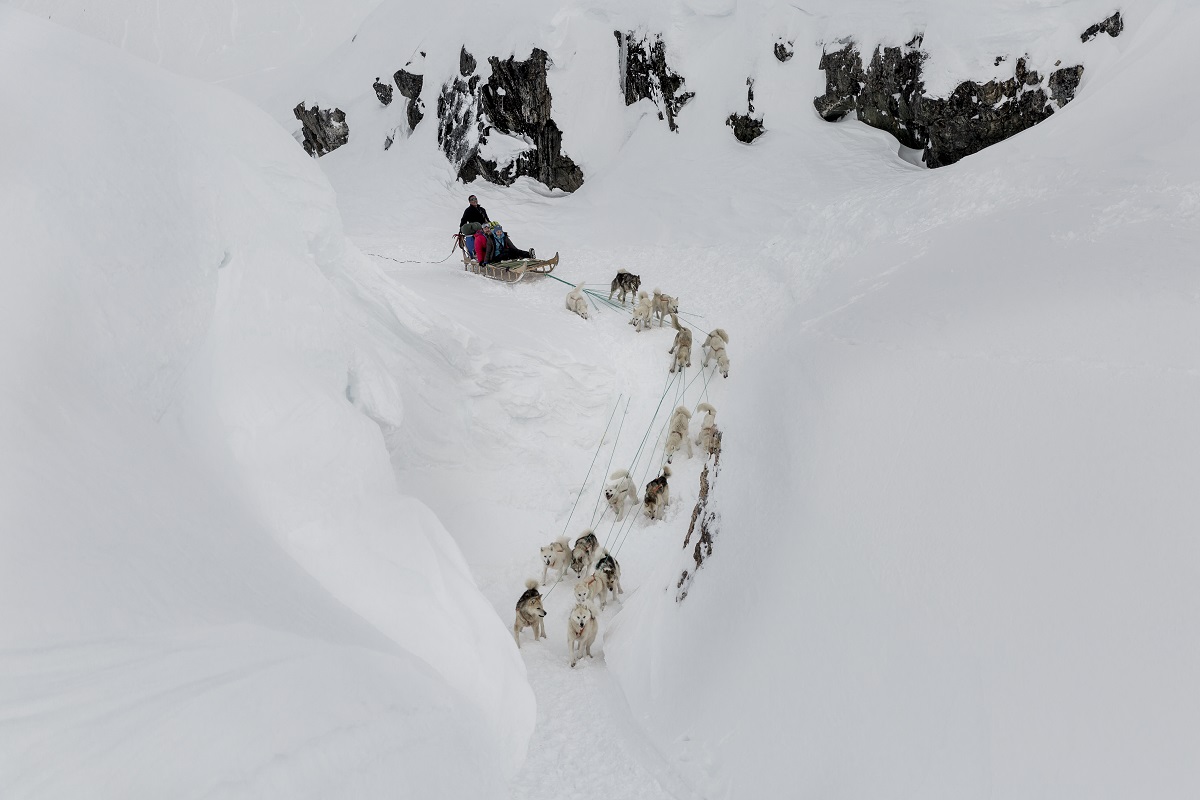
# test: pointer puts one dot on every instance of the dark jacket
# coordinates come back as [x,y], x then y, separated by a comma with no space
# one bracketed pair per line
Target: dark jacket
[474,214]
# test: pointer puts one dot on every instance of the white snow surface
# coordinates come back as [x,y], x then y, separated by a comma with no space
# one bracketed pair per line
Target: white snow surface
[955,554]
[212,585]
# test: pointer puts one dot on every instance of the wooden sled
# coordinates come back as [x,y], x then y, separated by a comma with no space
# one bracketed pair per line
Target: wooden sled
[508,271]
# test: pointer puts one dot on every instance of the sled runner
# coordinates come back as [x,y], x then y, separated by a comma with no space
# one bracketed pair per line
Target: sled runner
[508,271]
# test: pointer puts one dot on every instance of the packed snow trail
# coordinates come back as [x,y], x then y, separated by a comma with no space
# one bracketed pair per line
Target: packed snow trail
[502,465]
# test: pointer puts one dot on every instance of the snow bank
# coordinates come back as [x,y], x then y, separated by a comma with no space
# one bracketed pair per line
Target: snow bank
[957,554]
[211,584]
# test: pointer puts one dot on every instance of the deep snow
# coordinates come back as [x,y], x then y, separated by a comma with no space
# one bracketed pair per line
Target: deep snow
[955,555]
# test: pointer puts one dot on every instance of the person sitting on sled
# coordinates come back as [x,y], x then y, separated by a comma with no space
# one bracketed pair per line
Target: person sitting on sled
[498,247]
[474,213]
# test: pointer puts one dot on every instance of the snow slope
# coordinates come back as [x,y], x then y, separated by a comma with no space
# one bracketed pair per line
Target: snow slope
[955,504]
[954,556]
[211,583]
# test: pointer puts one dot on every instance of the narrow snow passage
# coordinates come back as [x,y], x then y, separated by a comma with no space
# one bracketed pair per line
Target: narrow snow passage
[510,396]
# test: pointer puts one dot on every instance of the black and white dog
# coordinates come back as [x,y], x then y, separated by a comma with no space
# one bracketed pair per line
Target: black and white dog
[626,283]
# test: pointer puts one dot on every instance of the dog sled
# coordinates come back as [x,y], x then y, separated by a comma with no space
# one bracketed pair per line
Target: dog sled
[507,271]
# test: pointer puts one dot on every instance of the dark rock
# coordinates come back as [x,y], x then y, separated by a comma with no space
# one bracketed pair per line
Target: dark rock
[745,127]
[645,75]
[1112,26]
[325,130]
[1063,83]
[383,92]
[409,85]
[515,101]
[784,50]
[466,62]
[704,523]
[843,80]
[889,94]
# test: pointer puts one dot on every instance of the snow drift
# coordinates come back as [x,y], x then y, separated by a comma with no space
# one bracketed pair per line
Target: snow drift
[211,585]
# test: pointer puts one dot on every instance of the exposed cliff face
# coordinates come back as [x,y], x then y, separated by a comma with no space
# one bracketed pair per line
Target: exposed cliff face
[645,75]
[501,129]
[410,86]
[324,130]
[889,94]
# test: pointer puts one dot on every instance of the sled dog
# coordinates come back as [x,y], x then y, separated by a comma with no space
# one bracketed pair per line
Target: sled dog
[682,349]
[657,495]
[587,590]
[707,437]
[577,302]
[581,632]
[556,556]
[626,283]
[714,347]
[581,554]
[621,491]
[642,313]
[530,613]
[663,305]
[677,433]
[609,573]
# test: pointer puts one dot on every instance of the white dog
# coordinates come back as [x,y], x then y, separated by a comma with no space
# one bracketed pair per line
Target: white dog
[556,556]
[714,347]
[677,433]
[577,302]
[581,632]
[664,304]
[707,438]
[682,348]
[588,589]
[621,491]
[643,312]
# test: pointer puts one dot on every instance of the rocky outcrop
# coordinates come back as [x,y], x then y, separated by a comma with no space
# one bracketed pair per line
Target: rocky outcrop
[745,127]
[324,130]
[703,526]
[645,75]
[383,91]
[410,86]
[466,63]
[512,106]
[785,50]
[1112,26]
[888,93]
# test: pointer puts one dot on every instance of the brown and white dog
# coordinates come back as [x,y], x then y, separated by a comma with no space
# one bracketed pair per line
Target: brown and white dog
[581,554]
[530,613]
[620,492]
[677,433]
[682,348]
[556,556]
[657,495]
[626,283]
[577,302]
[582,628]
[714,347]
[664,304]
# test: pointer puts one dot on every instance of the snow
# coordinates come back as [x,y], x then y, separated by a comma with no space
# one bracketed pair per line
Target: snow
[955,554]
[207,558]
